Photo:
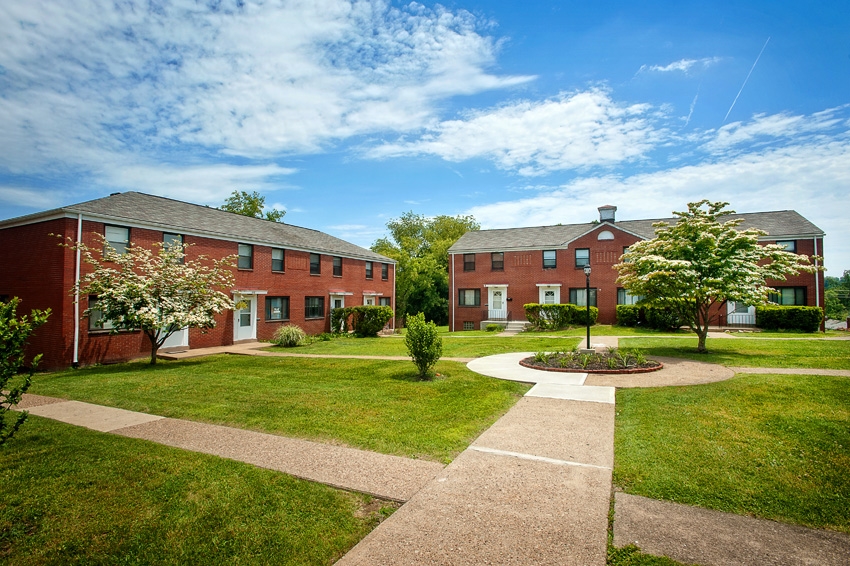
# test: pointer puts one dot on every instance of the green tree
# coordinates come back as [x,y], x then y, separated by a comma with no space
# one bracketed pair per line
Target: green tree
[420,246]
[159,292]
[699,263]
[423,344]
[14,333]
[838,296]
[251,204]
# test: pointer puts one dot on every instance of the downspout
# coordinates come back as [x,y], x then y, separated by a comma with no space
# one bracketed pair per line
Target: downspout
[817,285]
[395,305]
[76,362]
[452,305]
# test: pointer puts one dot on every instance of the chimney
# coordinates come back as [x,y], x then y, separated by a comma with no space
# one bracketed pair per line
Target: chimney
[607,213]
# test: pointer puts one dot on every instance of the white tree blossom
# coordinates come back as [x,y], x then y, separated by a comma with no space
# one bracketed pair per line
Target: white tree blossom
[699,263]
[156,291]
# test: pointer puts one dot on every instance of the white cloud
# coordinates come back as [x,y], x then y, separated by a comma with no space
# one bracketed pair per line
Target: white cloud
[203,184]
[572,131]
[37,199]
[88,80]
[768,128]
[682,65]
[813,176]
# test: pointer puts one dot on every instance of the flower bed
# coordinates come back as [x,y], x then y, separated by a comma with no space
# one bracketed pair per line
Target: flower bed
[608,361]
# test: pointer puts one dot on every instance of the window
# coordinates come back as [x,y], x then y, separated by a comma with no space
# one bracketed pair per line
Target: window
[626,298]
[337,266]
[96,320]
[385,271]
[314,307]
[548,297]
[789,245]
[169,240]
[497,261]
[315,264]
[384,302]
[579,297]
[469,262]
[794,296]
[368,270]
[582,257]
[550,259]
[277,308]
[118,238]
[469,297]
[278,257]
[246,256]
[468,325]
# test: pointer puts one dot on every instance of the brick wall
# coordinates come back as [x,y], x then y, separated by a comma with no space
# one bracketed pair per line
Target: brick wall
[35,268]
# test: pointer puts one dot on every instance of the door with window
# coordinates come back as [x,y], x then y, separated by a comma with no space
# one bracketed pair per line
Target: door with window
[740,314]
[179,339]
[245,319]
[498,309]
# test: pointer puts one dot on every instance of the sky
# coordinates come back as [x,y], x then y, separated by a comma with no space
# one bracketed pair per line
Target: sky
[348,114]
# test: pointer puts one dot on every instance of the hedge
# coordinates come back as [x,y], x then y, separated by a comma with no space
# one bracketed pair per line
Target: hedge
[659,318]
[364,320]
[553,317]
[774,317]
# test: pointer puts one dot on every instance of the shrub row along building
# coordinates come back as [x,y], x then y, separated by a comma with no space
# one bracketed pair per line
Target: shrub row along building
[286,274]
[493,273]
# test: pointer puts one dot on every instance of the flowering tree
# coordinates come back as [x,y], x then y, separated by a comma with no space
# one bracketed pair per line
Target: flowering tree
[700,262]
[157,291]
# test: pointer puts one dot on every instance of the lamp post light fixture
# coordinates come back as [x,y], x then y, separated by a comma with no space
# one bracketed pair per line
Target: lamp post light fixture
[587,302]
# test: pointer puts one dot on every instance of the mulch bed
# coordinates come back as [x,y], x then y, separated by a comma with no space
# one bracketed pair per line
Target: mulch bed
[596,364]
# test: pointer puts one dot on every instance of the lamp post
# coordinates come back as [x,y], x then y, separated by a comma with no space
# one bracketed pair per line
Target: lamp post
[587,301]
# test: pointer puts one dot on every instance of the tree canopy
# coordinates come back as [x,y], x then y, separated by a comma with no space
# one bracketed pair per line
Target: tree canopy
[420,246]
[158,292]
[837,300]
[251,204]
[700,262]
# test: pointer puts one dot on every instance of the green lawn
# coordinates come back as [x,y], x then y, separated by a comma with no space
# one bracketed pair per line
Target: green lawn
[375,405]
[772,446]
[751,352]
[457,345]
[69,495]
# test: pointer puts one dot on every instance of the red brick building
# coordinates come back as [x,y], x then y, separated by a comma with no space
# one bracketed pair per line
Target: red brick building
[493,273]
[286,274]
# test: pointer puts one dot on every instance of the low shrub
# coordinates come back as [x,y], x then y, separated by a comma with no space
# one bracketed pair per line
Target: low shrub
[553,317]
[423,344]
[629,315]
[659,318]
[289,336]
[775,317]
[364,320]
[493,328]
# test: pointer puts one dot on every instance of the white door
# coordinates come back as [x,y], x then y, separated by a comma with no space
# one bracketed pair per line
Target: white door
[179,339]
[245,320]
[497,310]
[740,314]
[369,300]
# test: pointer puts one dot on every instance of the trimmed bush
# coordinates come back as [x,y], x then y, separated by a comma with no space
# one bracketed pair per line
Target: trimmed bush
[659,318]
[629,315]
[553,317]
[364,320]
[289,336]
[423,344]
[494,328]
[775,317]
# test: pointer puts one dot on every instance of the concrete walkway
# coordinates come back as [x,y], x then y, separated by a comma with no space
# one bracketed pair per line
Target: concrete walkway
[534,488]
[381,475]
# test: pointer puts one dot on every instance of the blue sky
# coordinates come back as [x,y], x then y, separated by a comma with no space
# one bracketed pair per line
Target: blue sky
[349,113]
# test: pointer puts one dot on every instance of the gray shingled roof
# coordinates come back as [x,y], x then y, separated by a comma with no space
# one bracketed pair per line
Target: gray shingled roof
[783,224]
[173,215]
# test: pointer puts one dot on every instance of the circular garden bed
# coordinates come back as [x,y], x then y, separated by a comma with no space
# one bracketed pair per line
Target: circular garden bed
[606,361]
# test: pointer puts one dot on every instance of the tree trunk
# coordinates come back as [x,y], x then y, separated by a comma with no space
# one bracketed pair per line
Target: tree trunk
[703,334]
[154,347]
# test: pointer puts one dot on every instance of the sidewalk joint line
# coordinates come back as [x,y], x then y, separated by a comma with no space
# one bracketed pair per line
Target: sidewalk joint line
[522,456]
